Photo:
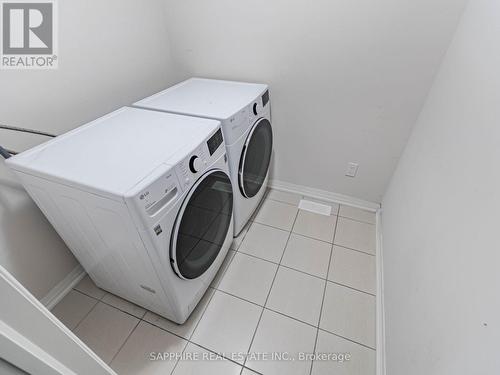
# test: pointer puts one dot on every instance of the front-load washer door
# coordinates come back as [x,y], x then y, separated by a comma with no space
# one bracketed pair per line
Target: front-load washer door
[202,225]
[255,158]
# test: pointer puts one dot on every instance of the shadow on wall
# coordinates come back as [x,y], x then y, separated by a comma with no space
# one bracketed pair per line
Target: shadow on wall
[29,247]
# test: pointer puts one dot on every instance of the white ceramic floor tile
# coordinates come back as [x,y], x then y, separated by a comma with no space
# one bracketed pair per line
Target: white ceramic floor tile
[87,286]
[284,196]
[277,214]
[317,226]
[185,330]
[355,235]
[238,240]
[265,242]
[198,361]
[361,360]
[223,267]
[297,295]
[349,313]
[124,305]
[308,255]
[135,356]
[228,324]
[353,268]
[249,278]
[357,214]
[279,334]
[73,308]
[105,329]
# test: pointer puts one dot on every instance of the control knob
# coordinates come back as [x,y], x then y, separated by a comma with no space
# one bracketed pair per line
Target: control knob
[255,109]
[195,164]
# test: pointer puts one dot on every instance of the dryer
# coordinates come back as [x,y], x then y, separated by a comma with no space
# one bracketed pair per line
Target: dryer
[245,112]
[144,201]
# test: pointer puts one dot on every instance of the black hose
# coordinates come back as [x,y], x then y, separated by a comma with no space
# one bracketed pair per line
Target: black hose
[24,130]
[7,153]
[4,153]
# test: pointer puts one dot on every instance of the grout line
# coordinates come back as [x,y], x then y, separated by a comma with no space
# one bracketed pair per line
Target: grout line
[202,313]
[292,232]
[291,317]
[268,308]
[164,329]
[117,308]
[326,201]
[282,265]
[178,360]
[329,203]
[219,354]
[88,295]
[348,339]
[194,329]
[277,200]
[324,293]
[256,257]
[240,298]
[359,251]
[87,314]
[124,342]
[317,239]
[276,311]
[85,294]
[353,219]
[123,311]
[350,287]
[245,229]
[270,226]
[269,292]
[303,272]
[223,270]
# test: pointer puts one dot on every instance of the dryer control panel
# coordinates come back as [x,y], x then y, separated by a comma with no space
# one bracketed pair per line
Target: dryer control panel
[239,123]
[260,107]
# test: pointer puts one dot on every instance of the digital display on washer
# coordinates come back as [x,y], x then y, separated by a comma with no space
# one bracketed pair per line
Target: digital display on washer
[265,98]
[214,142]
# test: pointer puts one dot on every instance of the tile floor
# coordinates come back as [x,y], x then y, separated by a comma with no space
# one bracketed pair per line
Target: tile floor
[293,282]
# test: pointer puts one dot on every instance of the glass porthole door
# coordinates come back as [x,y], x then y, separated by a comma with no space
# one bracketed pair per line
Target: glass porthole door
[202,225]
[255,159]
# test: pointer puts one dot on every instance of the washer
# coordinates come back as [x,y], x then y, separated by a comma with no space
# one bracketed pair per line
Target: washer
[245,112]
[144,201]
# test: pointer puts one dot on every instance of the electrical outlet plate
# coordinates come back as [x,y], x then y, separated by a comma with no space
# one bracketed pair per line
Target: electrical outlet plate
[352,169]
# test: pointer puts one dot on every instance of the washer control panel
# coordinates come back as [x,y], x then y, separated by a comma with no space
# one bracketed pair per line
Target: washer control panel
[193,166]
[160,193]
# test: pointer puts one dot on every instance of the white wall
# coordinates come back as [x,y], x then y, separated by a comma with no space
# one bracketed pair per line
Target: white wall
[441,216]
[112,53]
[348,78]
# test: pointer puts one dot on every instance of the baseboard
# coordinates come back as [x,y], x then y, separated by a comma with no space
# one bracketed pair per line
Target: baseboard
[380,323]
[324,195]
[63,287]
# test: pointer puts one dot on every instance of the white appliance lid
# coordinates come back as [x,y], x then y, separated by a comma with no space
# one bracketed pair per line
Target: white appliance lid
[205,98]
[115,152]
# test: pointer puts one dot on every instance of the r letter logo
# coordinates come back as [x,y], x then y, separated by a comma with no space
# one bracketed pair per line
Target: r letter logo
[28,35]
